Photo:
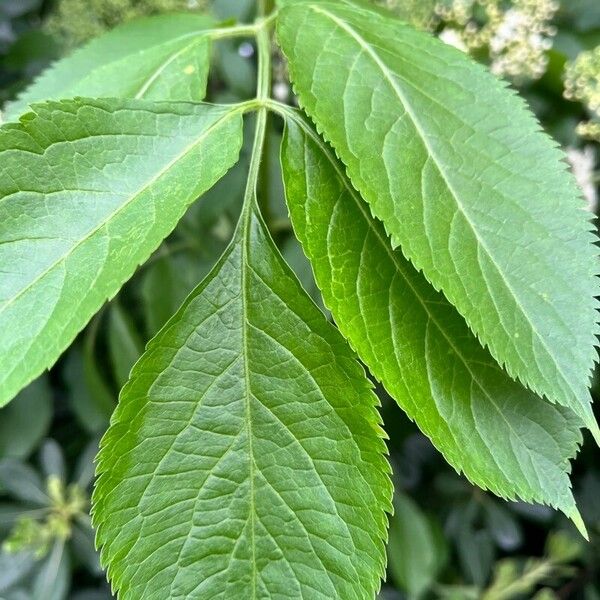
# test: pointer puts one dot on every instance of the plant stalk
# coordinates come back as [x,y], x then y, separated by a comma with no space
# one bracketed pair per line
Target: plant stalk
[265,7]
[263,91]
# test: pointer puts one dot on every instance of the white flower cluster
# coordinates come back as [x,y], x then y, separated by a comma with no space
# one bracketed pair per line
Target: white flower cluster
[519,44]
[582,84]
[583,164]
[517,34]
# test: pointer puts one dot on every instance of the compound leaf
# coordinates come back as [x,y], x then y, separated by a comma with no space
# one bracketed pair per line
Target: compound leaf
[163,57]
[502,436]
[245,458]
[88,190]
[463,180]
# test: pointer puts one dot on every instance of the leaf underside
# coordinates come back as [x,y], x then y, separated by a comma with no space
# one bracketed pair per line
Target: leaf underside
[245,458]
[464,181]
[502,436]
[88,190]
[163,57]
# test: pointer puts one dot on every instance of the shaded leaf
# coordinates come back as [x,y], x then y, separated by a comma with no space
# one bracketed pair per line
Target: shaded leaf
[89,397]
[237,72]
[83,474]
[14,568]
[416,553]
[92,595]
[102,399]
[22,482]
[159,290]
[82,540]
[52,460]
[476,554]
[171,278]
[9,513]
[19,433]
[53,580]
[503,526]
[163,57]
[124,342]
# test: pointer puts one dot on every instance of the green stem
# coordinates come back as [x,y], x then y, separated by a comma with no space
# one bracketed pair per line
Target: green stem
[263,41]
[248,30]
[233,31]
[263,90]
[265,7]
[255,162]
[527,581]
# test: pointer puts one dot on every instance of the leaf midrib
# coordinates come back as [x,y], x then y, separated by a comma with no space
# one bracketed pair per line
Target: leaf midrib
[439,165]
[248,390]
[122,207]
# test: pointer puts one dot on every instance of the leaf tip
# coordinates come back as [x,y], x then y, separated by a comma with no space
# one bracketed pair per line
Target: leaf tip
[575,516]
[592,425]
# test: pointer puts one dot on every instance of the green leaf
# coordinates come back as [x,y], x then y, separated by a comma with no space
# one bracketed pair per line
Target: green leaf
[464,181]
[53,580]
[52,460]
[124,342]
[416,551]
[83,543]
[22,482]
[245,457]
[88,394]
[160,288]
[488,426]
[163,57]
[19,433]
[170,279]
[93,400]
[88,190]
[14,568]
[503,526]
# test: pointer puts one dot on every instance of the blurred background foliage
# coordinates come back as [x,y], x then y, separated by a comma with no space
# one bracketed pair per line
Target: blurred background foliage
[448,539]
